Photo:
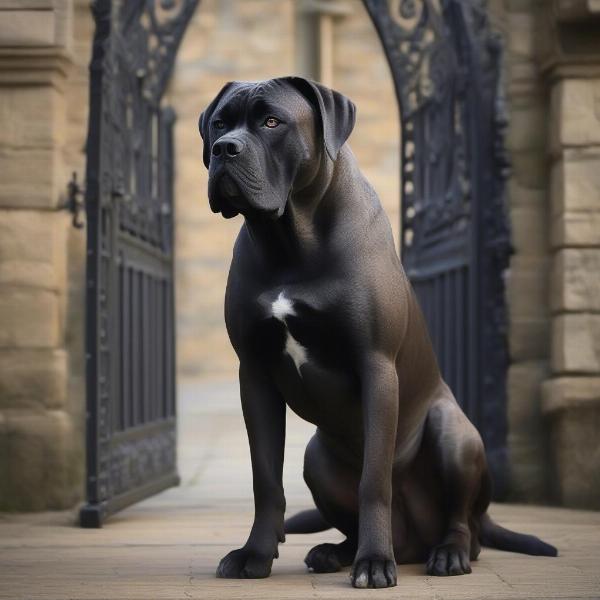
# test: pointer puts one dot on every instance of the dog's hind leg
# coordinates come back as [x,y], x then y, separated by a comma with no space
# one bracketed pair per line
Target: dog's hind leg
[334,486]
[460,461]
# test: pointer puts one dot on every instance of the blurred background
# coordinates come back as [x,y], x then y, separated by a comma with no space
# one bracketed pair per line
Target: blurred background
[547,303]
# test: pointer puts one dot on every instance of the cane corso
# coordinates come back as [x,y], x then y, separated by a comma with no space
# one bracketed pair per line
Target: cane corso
[324,320]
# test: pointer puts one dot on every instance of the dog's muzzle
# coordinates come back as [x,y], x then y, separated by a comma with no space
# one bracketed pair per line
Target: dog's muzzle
[225,196]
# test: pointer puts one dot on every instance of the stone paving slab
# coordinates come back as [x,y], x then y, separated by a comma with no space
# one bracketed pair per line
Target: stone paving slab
[167,547]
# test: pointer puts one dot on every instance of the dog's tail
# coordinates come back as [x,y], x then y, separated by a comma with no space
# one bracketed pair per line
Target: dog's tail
[307,521]
[494,536]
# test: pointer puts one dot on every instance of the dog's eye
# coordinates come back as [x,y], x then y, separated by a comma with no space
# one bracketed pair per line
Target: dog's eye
[219,124]
[272,122]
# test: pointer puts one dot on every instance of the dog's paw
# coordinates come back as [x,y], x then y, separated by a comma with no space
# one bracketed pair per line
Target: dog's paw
[244,564]
[448,559]
[323,559]
[373,573]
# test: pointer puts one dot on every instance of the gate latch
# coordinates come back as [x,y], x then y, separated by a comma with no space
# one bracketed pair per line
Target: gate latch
[74,201]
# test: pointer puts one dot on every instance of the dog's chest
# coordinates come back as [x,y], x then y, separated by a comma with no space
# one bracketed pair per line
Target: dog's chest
[307,335]
[282,309]
[310,359]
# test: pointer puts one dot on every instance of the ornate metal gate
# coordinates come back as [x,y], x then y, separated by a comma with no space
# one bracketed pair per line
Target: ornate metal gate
[130,329]
[446,66]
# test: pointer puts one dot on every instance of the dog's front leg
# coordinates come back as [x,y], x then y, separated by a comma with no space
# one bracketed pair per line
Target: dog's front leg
[374,565]
[264,414]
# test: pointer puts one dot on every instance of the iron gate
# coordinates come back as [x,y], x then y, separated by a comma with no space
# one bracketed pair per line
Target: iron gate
[446,66]
[130,330]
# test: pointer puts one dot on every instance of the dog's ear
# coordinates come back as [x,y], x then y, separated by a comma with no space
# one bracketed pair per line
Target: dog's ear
[204,122]
[336,111]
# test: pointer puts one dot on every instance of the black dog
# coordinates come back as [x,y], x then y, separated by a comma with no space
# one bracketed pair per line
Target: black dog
[323,319]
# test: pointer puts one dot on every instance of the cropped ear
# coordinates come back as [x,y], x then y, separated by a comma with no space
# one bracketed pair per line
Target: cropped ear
[337,112]
[204,122]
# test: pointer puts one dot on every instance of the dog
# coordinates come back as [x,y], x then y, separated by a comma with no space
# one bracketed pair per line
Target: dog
[324,320]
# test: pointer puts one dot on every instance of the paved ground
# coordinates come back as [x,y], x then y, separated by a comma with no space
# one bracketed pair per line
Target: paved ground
[168,547]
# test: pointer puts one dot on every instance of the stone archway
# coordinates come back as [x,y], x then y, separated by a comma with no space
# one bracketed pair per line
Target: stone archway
[454,234]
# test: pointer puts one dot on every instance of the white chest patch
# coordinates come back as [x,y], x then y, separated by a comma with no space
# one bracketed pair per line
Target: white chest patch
[282,308]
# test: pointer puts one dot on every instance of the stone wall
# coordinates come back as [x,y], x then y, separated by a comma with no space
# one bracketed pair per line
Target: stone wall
[528,277]
[39,442]
[553,91]
[571,403]
[253,40]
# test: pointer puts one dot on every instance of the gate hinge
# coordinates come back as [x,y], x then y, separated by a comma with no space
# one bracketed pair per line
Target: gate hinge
[74,202]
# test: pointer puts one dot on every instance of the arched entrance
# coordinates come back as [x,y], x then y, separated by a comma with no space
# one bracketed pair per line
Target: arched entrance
[448,171]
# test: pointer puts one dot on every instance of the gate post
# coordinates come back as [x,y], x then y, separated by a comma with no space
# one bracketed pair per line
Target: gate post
[39,458]
[571,398]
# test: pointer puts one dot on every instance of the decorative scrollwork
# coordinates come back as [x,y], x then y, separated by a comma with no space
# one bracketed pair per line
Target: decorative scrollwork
[406,13]
[145,35]
[129,184]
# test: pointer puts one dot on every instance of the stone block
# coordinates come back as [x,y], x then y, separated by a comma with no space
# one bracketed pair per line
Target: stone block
[32,117]
[527,287]
[572,408]
[575,229]
[33,248]
[519,195]
[569,392]
[29,318]
[529,236]
[30,178]
[524,393]
[527,441]
[576,280]
[522,81]
[575,198]
[31,379]
[521,41]
[576,343]
[529,338]
[530,168]
[39,469]
[576,111]
[528,126]
[27,28]
[576,182]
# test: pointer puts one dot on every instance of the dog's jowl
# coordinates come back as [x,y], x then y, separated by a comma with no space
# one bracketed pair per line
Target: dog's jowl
[324,320]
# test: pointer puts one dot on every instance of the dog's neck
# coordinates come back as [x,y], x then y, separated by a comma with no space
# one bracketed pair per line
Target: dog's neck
[301,235]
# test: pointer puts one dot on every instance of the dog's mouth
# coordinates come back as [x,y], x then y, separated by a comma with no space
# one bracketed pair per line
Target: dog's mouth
[229,189]
[226,197]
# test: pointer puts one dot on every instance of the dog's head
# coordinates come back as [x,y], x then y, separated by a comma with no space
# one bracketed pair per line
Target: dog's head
[264,140]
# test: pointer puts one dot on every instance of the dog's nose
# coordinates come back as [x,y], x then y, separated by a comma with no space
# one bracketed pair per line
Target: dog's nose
[227,146]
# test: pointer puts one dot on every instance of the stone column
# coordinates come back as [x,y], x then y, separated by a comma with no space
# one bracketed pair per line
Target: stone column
[572,396]
[528,277]
[38,466]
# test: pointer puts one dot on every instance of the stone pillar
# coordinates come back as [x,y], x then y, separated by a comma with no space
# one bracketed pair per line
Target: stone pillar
[528,277]
[38,466]
[572,395]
